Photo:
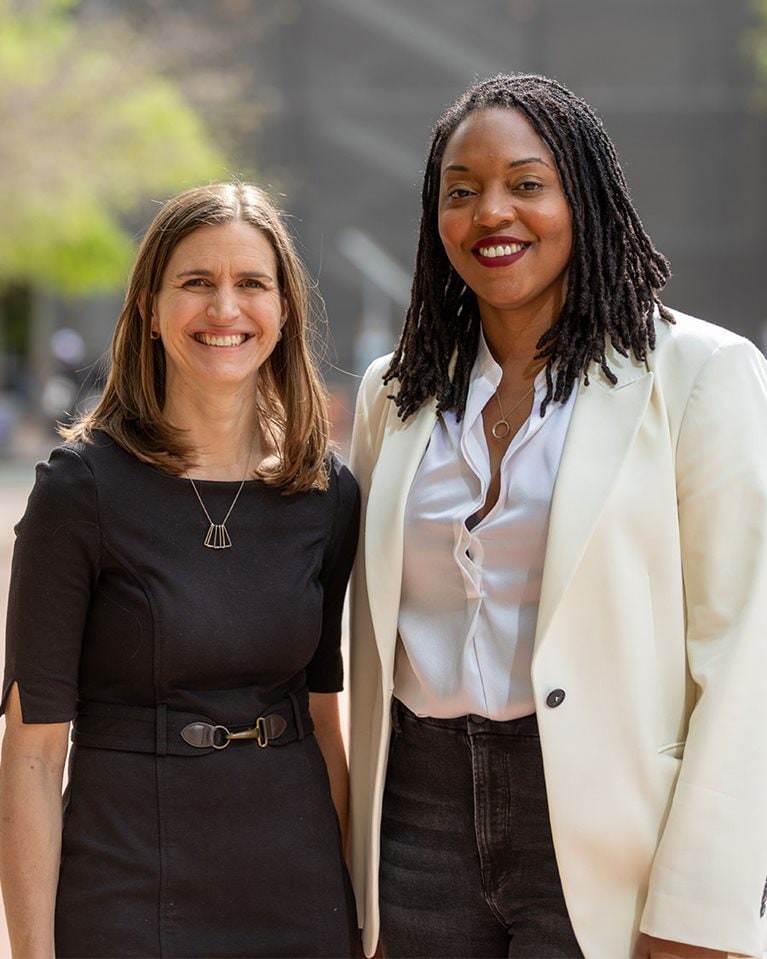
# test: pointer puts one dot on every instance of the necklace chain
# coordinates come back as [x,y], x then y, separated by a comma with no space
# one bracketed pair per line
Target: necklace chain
[218,535]
[501,428]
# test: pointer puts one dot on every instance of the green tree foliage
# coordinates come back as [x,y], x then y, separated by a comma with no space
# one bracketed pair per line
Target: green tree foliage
[90,129]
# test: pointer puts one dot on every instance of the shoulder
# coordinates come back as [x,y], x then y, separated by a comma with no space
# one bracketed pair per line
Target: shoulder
[372,384]
[64,490]
[374,398]
[690,341]
[85,466]
[691,357]
[706,372]
[107,460]
[691,352]
[342,482]
[66,465]
[377,368]
[91,451]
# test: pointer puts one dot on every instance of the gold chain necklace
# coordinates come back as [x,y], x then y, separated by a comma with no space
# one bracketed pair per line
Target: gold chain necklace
[218,535]
[501,428]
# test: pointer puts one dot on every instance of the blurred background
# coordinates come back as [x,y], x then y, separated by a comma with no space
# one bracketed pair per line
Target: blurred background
[107,107]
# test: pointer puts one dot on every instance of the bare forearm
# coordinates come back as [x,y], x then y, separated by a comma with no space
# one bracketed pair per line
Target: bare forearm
[335,760]
[327,730]
[31,774]
[30,845]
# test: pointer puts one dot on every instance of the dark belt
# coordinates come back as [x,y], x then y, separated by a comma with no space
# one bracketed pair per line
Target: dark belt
[169,732]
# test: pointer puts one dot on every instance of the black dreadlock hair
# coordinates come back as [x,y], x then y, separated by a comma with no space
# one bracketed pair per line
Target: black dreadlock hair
[615,272]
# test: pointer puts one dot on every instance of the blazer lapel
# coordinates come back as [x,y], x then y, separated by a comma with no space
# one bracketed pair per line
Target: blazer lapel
[401,452]
[605,421]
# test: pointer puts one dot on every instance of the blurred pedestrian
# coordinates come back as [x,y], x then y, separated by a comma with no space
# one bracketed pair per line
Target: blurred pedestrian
[561,602]
[177,589]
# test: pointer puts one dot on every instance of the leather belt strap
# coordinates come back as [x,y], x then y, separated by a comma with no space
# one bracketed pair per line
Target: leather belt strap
[266,730]
[169,732]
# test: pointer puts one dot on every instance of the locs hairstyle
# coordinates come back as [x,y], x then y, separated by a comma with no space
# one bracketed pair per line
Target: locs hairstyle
[615,273]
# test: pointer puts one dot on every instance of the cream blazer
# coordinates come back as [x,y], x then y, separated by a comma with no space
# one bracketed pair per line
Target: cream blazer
[652,619]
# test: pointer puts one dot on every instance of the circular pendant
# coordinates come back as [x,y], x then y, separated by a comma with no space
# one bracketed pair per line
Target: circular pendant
[501,430]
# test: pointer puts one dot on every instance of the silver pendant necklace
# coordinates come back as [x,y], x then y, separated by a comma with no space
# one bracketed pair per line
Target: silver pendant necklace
[501,428]
[218,535]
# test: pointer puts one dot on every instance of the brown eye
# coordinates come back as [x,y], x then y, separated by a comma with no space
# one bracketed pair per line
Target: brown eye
[458,193]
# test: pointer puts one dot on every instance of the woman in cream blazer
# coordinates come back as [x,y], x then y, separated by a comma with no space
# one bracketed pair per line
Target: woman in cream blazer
[649,664]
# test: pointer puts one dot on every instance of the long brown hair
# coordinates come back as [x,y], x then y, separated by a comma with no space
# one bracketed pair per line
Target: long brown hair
[292,401]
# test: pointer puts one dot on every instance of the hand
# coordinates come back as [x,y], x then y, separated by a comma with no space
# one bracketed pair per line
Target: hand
[648,947]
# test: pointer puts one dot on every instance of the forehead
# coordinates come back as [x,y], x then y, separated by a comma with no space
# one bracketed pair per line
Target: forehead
[224,241]
[494,133]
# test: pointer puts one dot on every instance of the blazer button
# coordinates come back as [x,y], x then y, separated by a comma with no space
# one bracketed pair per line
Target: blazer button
[555,698]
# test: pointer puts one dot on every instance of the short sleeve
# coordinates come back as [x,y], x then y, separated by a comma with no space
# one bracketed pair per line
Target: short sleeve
[53,573]
[325,673]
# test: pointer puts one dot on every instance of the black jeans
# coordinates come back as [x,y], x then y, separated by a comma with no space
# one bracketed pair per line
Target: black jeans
[467,859]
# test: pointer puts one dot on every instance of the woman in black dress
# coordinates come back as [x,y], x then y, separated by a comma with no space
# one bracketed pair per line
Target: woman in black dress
[177,589]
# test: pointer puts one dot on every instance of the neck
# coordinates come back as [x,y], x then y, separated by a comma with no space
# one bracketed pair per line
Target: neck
[512,336]
[515,351]
[224,436]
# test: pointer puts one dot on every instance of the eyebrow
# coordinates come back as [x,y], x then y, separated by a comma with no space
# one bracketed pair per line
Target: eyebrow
[514,163]
[249,274]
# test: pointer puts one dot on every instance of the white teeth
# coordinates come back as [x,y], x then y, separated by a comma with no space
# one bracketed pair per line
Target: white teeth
[210,340]
[507,250]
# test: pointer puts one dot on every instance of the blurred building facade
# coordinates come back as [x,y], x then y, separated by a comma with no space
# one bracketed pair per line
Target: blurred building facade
[363,81]
[342,95]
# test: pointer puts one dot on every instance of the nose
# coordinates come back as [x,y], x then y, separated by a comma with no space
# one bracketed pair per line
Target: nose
[494,208]
[223,306]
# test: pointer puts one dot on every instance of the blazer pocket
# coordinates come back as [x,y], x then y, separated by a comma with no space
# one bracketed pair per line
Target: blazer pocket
[676,750]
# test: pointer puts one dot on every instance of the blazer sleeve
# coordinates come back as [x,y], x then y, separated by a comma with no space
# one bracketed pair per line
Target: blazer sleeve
[707,884]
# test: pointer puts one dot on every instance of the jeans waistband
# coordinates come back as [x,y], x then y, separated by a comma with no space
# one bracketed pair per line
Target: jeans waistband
[169,732]
[471,723]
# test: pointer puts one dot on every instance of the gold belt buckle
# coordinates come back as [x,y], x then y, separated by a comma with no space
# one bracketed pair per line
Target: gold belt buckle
[257,732]
[210,736]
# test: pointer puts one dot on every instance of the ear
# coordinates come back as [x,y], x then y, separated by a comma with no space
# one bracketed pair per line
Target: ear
[284,313]
[154,333]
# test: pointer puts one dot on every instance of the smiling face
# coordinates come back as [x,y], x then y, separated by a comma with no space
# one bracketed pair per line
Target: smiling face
[504,219]
[219,309]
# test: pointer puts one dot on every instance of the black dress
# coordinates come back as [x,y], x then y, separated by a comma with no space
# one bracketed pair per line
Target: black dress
[116,604]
